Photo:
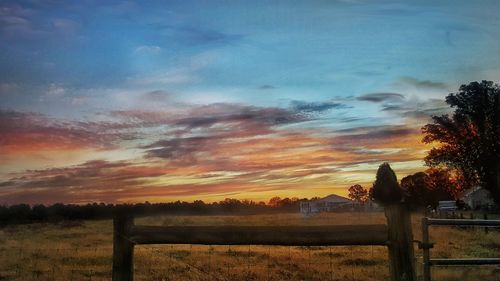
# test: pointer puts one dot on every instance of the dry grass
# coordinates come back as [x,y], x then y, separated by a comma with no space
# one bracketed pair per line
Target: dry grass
[83,252]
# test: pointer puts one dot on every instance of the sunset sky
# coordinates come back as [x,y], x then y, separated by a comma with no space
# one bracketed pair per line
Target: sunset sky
[123,101]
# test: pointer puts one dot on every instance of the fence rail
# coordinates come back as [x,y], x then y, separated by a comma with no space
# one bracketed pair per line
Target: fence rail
[396,236]
[323,235]
[426,245]
[463,222]
[483,261]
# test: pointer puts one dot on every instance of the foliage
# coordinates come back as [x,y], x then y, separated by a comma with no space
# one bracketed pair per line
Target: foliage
[417,192]
[358,194]
[424,189]
[386,189]
[469,139]
[440,182]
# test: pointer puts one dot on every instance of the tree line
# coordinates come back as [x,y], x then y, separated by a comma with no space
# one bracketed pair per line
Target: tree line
[24,213]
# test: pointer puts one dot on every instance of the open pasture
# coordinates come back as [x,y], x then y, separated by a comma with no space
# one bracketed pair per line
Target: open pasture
[82,251]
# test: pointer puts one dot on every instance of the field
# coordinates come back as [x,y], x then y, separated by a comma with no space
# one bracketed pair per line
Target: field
[82,251]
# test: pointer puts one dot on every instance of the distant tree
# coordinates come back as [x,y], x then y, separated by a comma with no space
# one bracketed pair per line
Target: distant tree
[469,139]
[39,212]
[427,189]
[195,202]
[285,202]
[358,194]
[386,189]
[440,183]
[416,189]
[275,201]
[370,194]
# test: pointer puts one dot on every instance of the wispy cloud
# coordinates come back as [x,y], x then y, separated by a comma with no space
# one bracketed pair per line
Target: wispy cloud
[266,87]
[97,180]
[423,84]
[188,149]
[197,35]
[55,91]
[157,96]
[218,161]
[381,97]
[33,131]
[148,50]
[418,109]
[186,71]
[206,116]
[375,134]
[65,26]
[316,107]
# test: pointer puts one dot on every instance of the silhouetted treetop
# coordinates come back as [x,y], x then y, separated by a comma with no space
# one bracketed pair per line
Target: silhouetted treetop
[386,189]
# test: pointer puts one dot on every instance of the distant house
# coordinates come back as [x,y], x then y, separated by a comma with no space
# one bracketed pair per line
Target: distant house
[447,206]
[477,198]
[329,203]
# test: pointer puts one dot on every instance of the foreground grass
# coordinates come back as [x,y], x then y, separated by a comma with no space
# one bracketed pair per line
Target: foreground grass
[82,251]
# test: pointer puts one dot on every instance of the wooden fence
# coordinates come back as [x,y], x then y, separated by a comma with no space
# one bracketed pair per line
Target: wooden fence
[396,236]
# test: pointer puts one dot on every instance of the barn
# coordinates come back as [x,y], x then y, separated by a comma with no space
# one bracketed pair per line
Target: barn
[477,198]
[329,203]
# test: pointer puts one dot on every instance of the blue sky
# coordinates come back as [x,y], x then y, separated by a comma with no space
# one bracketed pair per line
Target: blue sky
[349,64]
[238,50]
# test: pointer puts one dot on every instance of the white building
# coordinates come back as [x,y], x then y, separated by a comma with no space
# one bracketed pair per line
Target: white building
[327,204]
[477,197]
[447,206]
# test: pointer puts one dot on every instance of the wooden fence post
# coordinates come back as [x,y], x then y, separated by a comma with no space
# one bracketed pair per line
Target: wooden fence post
[123,248]
[401,256]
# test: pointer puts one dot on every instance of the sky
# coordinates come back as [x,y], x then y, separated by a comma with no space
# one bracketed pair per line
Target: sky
[133,101]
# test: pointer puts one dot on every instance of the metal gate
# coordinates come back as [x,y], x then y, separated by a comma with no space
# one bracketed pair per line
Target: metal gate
[425,245]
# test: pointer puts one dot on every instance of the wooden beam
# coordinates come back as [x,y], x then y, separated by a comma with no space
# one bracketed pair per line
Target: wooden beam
[325,235]
[469,261]
[490,223]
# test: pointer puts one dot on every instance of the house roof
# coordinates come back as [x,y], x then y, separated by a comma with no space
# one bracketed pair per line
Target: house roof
[334,198]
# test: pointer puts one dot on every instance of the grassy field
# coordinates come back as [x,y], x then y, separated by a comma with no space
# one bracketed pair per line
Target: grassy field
[82,251]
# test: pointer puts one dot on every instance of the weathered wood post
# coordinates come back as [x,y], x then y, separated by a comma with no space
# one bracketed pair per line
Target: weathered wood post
[123,248]
[401,254]
[387,192]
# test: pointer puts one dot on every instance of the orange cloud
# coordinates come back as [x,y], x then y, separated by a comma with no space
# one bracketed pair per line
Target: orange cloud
[28,132]
[218,151]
